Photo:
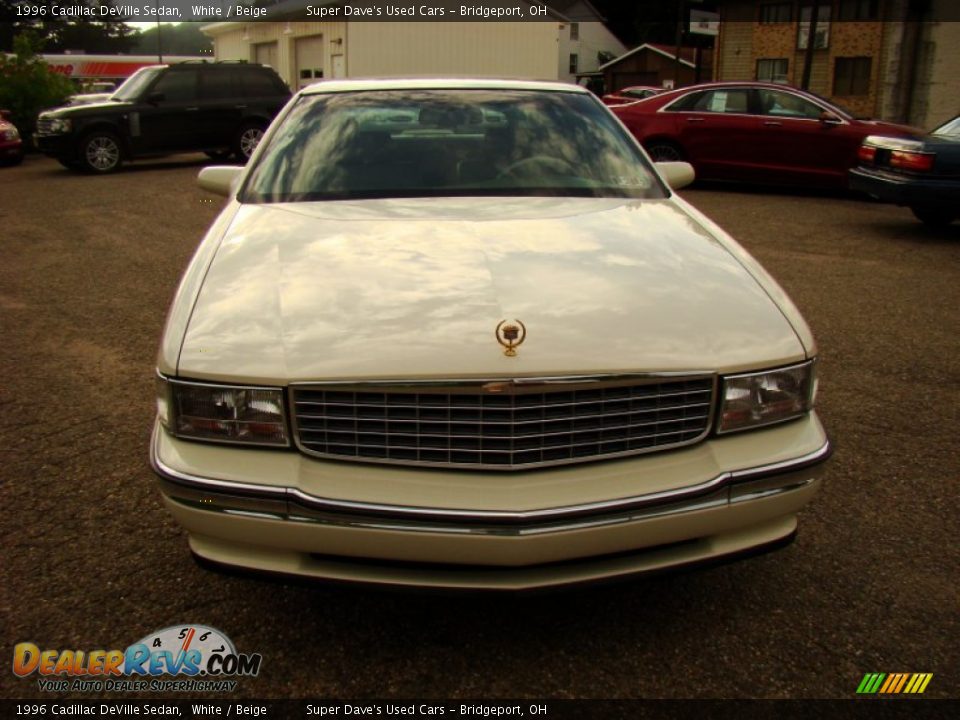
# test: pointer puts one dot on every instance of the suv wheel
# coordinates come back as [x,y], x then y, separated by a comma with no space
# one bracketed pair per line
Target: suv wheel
[100,152]
[248,137]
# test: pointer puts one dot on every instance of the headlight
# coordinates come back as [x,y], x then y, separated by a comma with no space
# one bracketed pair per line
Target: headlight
[11,134]
[56,126]
[757,399]
[222,413]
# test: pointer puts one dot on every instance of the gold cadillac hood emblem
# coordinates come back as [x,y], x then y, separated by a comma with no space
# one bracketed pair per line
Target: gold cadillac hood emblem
[511,336]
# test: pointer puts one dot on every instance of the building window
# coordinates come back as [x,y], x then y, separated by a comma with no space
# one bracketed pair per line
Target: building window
[573,62]
[823,28]
[858,10]
[851,76]
[772,70]
[574,31]
[776,13]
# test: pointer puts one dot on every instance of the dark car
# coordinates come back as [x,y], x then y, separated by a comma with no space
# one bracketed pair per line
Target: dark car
[922,174]
[630,94]
[753,132]
[218,108]
[11,146]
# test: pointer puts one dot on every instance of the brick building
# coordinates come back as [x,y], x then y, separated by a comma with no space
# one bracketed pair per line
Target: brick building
[881,58]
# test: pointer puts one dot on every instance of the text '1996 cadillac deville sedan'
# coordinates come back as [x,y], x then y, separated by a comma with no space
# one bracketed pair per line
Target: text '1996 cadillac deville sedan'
[463,334]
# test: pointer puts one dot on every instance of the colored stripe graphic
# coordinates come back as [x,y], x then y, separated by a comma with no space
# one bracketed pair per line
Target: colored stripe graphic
[894,683]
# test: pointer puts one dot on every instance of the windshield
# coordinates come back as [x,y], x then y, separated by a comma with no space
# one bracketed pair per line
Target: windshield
[423,143]
[134,85]
[951,127]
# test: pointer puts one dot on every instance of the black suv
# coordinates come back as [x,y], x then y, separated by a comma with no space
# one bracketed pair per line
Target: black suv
[221,108]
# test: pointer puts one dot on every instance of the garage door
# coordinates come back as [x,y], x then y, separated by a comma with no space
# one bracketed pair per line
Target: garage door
[265,54]
[309,56]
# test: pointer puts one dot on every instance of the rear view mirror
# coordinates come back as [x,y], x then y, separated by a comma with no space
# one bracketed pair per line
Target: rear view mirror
[219,179]
[677,174]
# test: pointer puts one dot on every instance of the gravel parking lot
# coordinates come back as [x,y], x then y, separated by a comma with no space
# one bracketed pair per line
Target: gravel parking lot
[92,560]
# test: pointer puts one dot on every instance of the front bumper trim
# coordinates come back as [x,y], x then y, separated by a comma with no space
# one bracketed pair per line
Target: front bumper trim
[292,504]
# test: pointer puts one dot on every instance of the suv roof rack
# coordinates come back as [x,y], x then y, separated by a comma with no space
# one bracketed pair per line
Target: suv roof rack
[204,61]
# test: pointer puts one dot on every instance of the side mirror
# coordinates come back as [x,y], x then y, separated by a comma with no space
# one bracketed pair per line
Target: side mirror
[828,118]
[219,179]
[5,114]
[156,97]
[677,174]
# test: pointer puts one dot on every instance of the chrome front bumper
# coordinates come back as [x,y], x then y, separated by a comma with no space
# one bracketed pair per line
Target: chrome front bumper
[286,529]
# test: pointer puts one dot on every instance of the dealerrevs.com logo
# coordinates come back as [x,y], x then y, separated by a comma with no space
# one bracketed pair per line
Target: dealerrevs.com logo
[199,658]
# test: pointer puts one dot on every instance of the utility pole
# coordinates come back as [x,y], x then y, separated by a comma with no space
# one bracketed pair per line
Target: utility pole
[676,63]
[156,4]
[811,42]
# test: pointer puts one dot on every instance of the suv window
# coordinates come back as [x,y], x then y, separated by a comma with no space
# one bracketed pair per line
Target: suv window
[177,86]
[257,83]
[219,84]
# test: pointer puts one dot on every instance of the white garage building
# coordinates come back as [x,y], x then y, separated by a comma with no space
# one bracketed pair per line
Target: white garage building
[305,52]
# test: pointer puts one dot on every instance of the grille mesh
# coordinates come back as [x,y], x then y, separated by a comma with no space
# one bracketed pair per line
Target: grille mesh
[519,427]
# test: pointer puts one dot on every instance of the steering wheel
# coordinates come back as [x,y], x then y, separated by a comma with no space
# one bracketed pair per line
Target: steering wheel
[556,165]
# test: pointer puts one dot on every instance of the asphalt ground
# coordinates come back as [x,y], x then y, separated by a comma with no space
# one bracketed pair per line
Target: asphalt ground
[90,559]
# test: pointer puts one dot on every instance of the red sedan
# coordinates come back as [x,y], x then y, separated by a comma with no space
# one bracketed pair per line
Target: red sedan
[754,132]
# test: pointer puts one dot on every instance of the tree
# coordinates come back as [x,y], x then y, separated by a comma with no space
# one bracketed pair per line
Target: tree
[27,85]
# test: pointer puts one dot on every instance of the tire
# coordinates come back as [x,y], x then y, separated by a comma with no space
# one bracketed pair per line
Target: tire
[100,152]
[664,151]
[246,141]
[934,217]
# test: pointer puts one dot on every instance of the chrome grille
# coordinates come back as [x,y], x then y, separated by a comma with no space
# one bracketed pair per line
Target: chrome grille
[43,126]
[502,424]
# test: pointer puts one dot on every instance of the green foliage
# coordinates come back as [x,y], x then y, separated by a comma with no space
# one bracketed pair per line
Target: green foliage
[27,85]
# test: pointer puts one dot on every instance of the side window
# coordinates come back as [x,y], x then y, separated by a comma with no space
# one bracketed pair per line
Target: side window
[218,84]
[725,101]
[782,104]
[177,86]
[257,84]
[686,103]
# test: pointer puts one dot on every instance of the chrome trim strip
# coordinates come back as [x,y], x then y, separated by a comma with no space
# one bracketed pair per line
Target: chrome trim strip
[296,496]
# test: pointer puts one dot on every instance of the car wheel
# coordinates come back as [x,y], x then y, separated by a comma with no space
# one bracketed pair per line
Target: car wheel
[934,217]
[663,151]
[100,152]
[248,137]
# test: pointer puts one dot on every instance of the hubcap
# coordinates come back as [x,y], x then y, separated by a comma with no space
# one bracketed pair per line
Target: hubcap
[249,141]
[664,153]
[102,153]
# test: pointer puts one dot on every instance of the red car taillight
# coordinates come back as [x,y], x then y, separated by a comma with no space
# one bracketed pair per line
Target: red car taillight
[867,153]
[911,160]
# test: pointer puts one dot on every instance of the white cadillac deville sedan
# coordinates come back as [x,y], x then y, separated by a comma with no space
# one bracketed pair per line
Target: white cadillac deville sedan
[463,334]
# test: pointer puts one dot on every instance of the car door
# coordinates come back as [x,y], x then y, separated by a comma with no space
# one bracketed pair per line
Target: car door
[796,143]
[223,105]
[168,118]
[715,128]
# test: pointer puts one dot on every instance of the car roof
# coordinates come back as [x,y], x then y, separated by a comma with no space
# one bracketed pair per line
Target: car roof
[328,86]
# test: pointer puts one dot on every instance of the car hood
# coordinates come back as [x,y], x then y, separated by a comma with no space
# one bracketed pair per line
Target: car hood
[410,289]
[86,108]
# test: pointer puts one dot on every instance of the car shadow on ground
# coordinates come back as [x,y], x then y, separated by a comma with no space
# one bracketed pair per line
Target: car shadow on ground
[168,162]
